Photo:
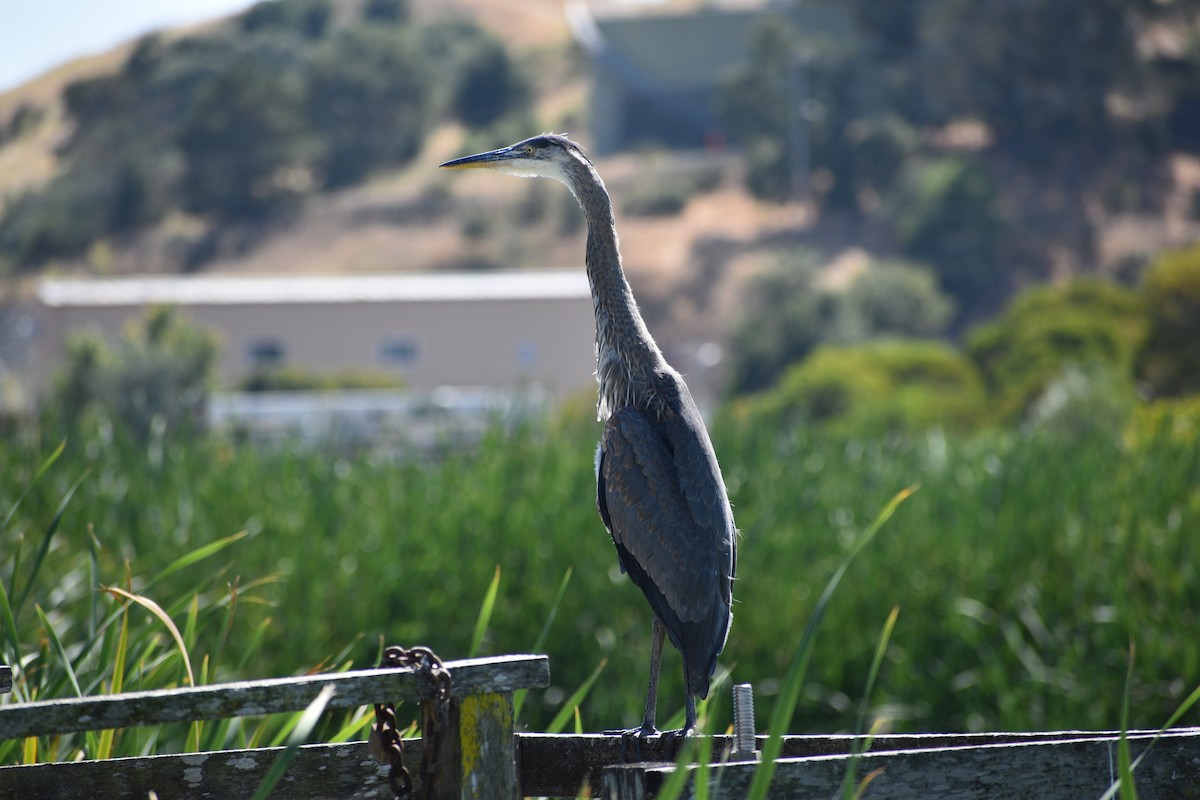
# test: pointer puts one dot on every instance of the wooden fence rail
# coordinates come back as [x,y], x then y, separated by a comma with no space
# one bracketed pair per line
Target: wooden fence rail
[1048,766]
[485,758]
[477,755]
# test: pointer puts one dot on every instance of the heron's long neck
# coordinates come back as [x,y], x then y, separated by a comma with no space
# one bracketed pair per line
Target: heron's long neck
[626,354]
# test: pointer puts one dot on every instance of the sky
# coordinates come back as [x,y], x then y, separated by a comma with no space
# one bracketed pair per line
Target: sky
[37,35]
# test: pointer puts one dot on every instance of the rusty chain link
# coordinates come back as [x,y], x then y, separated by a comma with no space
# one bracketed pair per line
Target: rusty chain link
[385,743]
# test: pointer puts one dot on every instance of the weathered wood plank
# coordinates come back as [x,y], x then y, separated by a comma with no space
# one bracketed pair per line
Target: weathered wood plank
[479,763]
[255,698]
[1050,765]
[5,678]
[558,766]
[1048,770]
[318,772]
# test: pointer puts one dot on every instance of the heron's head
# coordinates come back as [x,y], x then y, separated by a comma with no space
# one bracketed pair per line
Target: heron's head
[546,156]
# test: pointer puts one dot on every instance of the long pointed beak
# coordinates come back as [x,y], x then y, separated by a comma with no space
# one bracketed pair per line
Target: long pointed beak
[488,160]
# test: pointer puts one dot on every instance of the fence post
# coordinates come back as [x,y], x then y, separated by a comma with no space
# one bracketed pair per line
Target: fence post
[477,755]
[5,678]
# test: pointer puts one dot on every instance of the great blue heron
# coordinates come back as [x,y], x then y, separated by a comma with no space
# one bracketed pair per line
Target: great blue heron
[658,486]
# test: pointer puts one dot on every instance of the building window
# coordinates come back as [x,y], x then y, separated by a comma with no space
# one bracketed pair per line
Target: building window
[527,355]
[399,351]
[265,353]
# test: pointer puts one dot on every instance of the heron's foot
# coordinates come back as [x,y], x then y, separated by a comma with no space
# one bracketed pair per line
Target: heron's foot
[631,741]
[644,732]
[682,733]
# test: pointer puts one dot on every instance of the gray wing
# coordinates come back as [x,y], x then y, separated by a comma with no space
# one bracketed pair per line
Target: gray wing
[660,494]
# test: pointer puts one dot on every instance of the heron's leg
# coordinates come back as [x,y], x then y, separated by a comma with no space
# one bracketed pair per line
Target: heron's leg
[689,724]
[658,632]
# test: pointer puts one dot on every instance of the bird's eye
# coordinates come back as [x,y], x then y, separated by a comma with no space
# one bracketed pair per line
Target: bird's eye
[528,149]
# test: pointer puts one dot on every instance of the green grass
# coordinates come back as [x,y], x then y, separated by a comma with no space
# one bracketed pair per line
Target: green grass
[1023,568]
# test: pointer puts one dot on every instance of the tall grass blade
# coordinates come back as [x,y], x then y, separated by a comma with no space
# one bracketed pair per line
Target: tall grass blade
[107,737]
[789,695]
[44,547]
[10,626]
[199,554]
[58,648]
[155,609]
[49,462]
[540,642]
[848,789]
[356,725]
[564,714]
[673,788]
[1124,762]
[485,614]
[302,730]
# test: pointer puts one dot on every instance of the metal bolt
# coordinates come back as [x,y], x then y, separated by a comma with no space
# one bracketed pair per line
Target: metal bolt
[743,723]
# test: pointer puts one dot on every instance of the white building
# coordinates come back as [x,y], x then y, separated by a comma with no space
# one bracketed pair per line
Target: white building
[528,330]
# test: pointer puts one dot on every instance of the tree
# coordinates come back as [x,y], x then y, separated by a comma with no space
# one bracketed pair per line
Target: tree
[1047,329]
[157,378]
[483,81]
[1038,72]
[309,18]
[896,299]
[872,388]
[946,215]
[1169,360]
[369,100]
[247,145]
[785,318]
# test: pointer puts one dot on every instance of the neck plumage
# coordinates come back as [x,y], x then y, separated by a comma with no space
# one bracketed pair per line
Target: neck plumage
[626,354]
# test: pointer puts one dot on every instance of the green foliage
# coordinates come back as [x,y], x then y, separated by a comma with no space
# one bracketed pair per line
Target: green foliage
[1045,329]
[752,103]
[787,315]
[1024,566]
[387,11]
[945,214]
[25,119]
[1038,73]
[369,102]
[755,107]
[241,123]
[309,18]
[292,379]
[768,172]
[785,318]
[482,82]
[1169,361]
[156,379]
[247,149]
[489,85]
[667,195]
[874,388]
[1176,419]
[895,299]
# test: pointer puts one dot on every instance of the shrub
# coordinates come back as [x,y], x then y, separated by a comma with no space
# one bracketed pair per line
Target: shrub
[660,199]
[945,214]
[785,318]
[369,101]
[1169,361]
[1047,328]
[309,18]
[156,379]
[896,299]
[873,388]
[787,315]
[295,379]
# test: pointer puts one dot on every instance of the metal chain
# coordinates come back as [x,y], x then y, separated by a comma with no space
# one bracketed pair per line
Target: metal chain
[385,743]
